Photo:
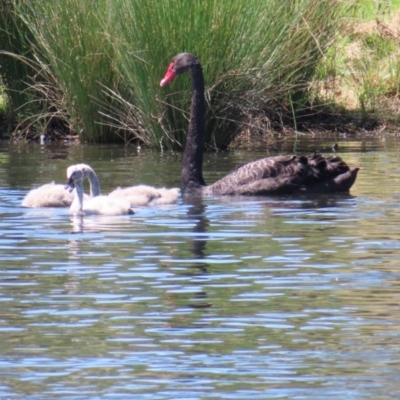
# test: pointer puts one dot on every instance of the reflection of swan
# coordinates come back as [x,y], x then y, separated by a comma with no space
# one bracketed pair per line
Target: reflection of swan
[143,195]
[97,204]
[100,223]
[48,195]
[281,174]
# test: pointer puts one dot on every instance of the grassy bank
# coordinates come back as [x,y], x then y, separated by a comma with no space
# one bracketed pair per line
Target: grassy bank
[93,68]
[360,77]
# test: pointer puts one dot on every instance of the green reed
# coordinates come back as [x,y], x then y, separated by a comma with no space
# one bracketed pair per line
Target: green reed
[14,39]
[104,60]
[70,42]
[258,58]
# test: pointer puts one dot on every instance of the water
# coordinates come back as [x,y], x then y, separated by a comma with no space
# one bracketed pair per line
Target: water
[219,298]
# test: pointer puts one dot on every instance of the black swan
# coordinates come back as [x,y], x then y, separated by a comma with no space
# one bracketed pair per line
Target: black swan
[271,175]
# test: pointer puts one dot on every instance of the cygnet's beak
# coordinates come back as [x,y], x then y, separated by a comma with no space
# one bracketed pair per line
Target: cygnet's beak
[70,185]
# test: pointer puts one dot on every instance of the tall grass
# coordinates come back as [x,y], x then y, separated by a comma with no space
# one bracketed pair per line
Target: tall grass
[70,38]
[104,60]
[3,100]
[258,58]
[371,9]
[15,39]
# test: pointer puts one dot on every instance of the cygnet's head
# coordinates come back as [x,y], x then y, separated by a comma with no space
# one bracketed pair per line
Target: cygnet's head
[76,173]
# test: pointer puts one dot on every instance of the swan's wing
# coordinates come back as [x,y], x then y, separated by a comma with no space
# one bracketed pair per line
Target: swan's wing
[340,182]
[268,175]
[321,168]
[286,174]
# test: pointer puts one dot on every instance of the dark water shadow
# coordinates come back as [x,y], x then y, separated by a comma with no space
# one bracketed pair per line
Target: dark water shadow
[197,213]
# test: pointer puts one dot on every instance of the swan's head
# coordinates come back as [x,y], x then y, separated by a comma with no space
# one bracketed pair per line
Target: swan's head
[180,63]
[76,174]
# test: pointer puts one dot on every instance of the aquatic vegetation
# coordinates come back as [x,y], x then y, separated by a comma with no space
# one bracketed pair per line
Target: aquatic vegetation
[106,58]
[92,68]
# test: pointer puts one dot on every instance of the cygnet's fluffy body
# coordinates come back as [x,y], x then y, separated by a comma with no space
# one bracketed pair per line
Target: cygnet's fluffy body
[101,205]
[97,204]
[48,195]
[143,195]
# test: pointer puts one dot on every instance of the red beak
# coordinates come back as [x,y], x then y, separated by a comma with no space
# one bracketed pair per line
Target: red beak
[169,75]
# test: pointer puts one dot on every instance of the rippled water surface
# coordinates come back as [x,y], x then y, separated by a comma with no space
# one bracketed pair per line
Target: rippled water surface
[219,298]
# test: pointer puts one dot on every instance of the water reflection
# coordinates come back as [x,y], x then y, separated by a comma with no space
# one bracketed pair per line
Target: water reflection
[196,212]
[98,223]
[199,269]
[261,297]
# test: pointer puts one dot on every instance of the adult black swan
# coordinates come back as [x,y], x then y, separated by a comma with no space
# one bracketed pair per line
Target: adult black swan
[271,175]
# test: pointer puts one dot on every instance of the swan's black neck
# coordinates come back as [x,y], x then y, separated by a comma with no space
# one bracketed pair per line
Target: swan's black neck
[192,177]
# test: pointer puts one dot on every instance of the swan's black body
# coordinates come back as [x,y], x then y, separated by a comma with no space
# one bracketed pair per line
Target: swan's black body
[272,175]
